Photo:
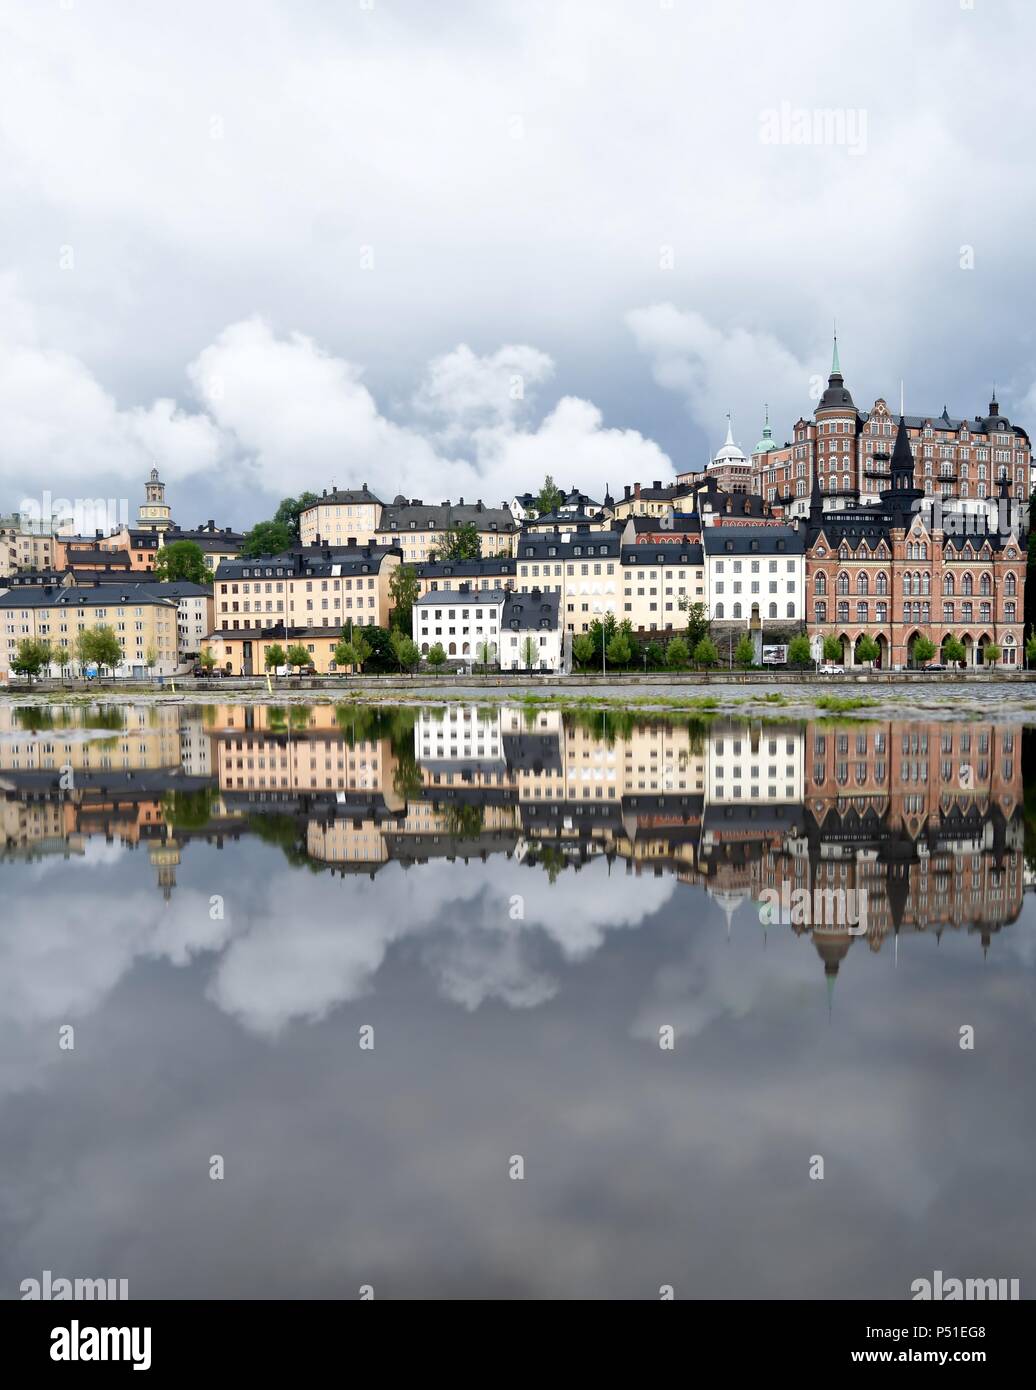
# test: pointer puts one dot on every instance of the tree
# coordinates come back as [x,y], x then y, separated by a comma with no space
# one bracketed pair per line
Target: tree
[31,657]
[290,510]
[352,652]
[744,652]
[380,658]
[993,653]
[403,590]
[601,632]
[404,649]
[530,652]
[461,542]
[437,656]
[274,656]
[582,649]
[799,651]
[697,621]
[655,654]
[676,654]
[182,561]
[84,647]
[1030,644]
[619,650]
[867,650]
[832,648]
[267,538]
[705,653]
[482,654]
[299,656]
[923,650]
[953,651]
[207,661]
[106,649]
[62,656]
[550,497]
[151,658]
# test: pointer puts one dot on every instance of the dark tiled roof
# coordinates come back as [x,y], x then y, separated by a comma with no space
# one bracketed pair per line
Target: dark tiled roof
[486,568]
[752,540]
[312,562]
[663,554]
[569,545]
[533,610]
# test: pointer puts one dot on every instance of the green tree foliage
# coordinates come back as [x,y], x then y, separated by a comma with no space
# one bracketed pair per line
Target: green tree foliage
[705,653]
[550,497]
[182,561]
[352,652]
[677,654]
[403,590]
[620,650]
[298,656]
[832,648]
[923,650]
[655,654]
[98,646]
[437,656]
[1030,644]
[744,652]
[697,622]
[582,649]
[207,660]
[799,653]
[404,650]
[461,542]
[993,653]
[530,652]
[867,650]
[953,651]
[275,656]
[268,538]
[31,658]
[290,510]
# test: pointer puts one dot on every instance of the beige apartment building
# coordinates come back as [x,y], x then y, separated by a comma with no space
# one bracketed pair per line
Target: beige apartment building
[659,583]
[582,566]
[341,516]
[306,597]
[142,623]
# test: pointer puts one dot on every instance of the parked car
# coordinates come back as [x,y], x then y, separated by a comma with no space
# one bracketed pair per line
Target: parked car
[198,670]
[829,670]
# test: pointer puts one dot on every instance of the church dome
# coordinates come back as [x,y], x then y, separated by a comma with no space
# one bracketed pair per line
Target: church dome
[730,453]
[767,444]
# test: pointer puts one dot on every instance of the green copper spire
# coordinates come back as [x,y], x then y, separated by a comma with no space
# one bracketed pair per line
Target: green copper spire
[835,368]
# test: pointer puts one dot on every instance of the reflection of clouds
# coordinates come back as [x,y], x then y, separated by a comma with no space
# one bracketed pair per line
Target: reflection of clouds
[325,940]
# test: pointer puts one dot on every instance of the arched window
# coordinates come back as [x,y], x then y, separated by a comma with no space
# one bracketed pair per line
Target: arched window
[719,611]
[967,585]
[882,583]
[924,551]
[453,649]
[926,612]
[983,612]
[948,586]
[1010,584]
[737,610]
[843,612]
[861,611]
[773,610]
[908,583]
[791,610]
[862,586]
[820,584]
[985,585]
[820,612]
[881,612]
[926,583]
[843,583]
[1009,611]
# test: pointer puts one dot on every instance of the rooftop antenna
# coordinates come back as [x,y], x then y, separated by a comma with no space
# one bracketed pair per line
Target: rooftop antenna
[901,397]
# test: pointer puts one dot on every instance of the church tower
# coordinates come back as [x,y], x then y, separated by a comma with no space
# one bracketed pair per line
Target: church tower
[154,514]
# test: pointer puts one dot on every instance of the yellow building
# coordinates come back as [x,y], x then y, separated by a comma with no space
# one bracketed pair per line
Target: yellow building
[143,624]
[582,566]
[306,597]
[341,517]
[656,580]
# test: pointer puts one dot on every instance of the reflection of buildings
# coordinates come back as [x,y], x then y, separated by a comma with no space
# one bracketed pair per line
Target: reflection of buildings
[926,819]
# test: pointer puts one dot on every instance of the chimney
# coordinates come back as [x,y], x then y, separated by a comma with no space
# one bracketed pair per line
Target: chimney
[657,482]
[627,489]
[636,489]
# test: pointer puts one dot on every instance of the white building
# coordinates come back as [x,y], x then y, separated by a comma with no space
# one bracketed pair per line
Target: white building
[755,569]
[463,620]
[530,633]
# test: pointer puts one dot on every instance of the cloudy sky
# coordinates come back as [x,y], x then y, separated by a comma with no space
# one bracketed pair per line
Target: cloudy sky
[447,248]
